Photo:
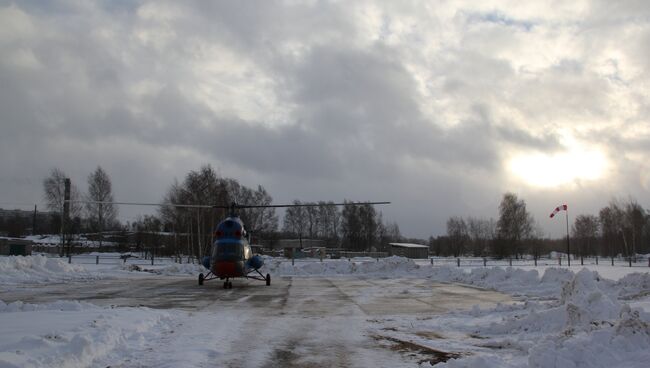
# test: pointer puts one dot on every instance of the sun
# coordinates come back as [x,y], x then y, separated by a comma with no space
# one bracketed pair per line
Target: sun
[576,165]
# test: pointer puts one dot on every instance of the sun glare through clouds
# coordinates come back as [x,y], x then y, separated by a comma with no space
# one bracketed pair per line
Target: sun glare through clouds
[553,170]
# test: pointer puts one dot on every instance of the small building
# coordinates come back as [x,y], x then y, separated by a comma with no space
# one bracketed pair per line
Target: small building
[15,247]
[295,247]
[409,250]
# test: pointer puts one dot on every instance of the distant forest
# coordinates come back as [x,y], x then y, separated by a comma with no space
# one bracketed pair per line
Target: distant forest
[620,228]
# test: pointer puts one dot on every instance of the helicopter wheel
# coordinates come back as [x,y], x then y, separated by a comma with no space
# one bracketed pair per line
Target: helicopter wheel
[229,284]
[201,278]
[268,279]
[225,284]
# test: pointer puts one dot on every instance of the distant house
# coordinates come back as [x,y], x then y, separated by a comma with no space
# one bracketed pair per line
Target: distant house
[15,247]
[299,248]
[409,250]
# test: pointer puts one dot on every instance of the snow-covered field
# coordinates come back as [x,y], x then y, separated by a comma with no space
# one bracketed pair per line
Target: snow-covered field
[391,312]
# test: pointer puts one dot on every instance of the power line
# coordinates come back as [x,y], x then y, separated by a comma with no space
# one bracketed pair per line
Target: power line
[22,203]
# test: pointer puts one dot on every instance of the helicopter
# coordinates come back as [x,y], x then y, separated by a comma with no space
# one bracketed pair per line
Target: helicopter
[231,255]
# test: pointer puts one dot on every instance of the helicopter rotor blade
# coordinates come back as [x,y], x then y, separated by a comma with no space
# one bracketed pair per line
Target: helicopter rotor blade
[234,205]
[240,206]
[145,204]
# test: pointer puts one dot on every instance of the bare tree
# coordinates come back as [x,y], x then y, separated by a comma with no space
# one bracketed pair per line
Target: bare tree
[514,225]
[295,220]
[481,233]
[458,235]
[634,220]
[329,219]
[351,227]
[206,187]
[100,190]
[387,233]
[53,193]
[585,232]
[609,218]
[359,226]
[258,220]
[312,221]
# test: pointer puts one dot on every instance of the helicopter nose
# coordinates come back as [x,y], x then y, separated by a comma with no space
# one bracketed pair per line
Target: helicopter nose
[225,268]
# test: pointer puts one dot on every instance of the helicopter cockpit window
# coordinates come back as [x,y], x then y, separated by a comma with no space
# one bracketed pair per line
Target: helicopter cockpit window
[229,250]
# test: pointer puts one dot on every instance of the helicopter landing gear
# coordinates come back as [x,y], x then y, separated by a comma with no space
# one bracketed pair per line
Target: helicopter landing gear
[201,278]
[268,279]
[227,285]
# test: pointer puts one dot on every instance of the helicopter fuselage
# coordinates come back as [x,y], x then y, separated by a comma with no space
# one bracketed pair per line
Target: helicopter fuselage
[231,253]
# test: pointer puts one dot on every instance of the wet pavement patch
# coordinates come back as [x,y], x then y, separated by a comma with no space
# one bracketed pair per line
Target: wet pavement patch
[431,335]
[424,353]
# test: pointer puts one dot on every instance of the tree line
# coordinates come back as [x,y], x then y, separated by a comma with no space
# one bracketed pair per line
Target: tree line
[620,228]
[354,227]
[189,231]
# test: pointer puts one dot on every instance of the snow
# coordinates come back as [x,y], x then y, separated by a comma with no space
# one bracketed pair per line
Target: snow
[568,319]
[69,334]
[390,266]
[562,318]
[180,269]
[39,269]
[511,280]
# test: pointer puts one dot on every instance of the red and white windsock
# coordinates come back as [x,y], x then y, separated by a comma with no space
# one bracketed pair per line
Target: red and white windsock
[558,209]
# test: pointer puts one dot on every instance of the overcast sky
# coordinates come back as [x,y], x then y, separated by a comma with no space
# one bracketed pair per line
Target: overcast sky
[437,106]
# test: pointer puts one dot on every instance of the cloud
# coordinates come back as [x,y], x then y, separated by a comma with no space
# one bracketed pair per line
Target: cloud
[421,105]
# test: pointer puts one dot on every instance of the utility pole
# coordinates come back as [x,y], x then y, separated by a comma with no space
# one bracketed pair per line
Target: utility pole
[34,222]
[66,211]
[568,248]
[100,217]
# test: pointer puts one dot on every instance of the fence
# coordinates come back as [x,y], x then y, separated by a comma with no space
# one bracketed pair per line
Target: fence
[492,262]
[113,259]
[376,256]
[546,261]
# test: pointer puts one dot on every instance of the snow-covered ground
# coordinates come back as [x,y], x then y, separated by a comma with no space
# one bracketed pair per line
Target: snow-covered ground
[391,312]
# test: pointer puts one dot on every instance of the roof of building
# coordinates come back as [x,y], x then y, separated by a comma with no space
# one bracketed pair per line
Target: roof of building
[408,245]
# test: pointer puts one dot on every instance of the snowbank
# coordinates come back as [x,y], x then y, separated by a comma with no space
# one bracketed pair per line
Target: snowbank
[40,269]
[180,269]
[70,334]
[515,281]
[567,320]
[587,326]
[391,266]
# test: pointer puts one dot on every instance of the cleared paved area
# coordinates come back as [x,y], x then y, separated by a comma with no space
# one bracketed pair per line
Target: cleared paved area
[297,295]
[295,322]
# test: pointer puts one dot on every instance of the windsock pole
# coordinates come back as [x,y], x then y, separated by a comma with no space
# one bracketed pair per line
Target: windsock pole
[568,248]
